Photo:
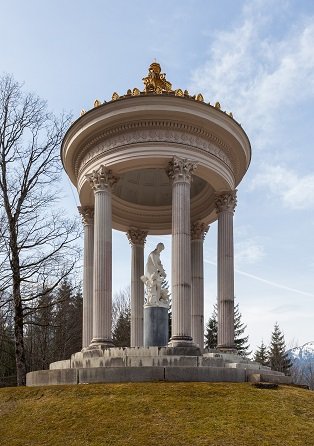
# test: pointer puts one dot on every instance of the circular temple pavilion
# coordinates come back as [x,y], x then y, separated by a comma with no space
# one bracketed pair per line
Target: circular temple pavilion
[154,161]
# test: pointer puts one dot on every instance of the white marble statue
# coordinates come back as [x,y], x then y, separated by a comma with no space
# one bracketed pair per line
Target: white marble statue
[156,293]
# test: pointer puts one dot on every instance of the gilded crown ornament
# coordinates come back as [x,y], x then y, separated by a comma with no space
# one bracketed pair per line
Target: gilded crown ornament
[156,81]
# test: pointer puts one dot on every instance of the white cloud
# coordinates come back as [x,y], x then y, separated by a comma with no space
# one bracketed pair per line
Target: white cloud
[295,191]
[257,74]
[248,252]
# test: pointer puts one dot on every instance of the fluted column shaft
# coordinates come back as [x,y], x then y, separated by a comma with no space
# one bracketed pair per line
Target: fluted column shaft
[198,232]
[87,214]
[102,181]
[137,239]
[225,205]
[180,172]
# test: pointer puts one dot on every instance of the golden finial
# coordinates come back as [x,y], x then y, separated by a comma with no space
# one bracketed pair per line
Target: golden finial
[136,92]
[217,105]
[186,93]
[230,114]
[97,103]
[179,92]
[199,97]
[129,92]
[82,112]
[155,79]
[115,96]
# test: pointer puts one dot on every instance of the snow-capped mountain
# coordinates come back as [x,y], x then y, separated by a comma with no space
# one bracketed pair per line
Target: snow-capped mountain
[302,354]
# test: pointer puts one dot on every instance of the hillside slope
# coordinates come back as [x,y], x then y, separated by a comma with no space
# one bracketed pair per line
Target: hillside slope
[172,414]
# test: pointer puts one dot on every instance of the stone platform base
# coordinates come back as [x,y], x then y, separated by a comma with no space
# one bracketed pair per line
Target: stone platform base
[141,364]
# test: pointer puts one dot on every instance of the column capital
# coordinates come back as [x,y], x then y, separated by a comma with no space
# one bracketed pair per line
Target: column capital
[136,236]
[101,179]
[181,169]
[199,230]
[87,214]
[226,201]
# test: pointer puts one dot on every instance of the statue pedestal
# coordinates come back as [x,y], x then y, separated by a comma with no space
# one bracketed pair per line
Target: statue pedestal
[155,326]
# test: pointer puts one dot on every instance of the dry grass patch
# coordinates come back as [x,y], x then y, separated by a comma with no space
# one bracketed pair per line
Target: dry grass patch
[149,414]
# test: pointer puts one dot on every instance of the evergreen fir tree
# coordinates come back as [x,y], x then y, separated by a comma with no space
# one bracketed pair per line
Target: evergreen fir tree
[241,342]
[67,321]
[278,358]
[7,350]
[211,330]
[261,354]
[121,334]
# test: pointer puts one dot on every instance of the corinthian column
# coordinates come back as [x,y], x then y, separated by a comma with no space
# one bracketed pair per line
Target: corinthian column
[102,181]
[180,172]
[198,233]
[87,214]
[225,205]
[137,239]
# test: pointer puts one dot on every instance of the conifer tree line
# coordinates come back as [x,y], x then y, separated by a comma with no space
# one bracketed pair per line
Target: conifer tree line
[275,355]
[52,331]
[240,339]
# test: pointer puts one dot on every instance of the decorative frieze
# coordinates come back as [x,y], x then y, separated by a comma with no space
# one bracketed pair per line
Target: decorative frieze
[101,179]
[199,231]
[136,236]
[226,202]
[154,132]
[181,169]
[87,214]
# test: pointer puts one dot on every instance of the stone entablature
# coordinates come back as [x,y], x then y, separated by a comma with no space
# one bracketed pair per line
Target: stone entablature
[154,132]
[212,128]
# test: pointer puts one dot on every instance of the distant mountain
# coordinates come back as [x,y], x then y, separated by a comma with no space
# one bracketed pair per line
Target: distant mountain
[303,354]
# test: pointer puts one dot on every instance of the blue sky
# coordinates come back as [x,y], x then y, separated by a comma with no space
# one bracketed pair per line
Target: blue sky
[255,57]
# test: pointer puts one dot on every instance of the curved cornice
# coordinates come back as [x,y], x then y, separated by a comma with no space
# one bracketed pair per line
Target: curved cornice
[154,131]
[126,116]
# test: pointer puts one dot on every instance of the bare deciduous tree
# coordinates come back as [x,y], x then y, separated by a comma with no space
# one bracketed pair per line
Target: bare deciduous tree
[302,372]
[37,249]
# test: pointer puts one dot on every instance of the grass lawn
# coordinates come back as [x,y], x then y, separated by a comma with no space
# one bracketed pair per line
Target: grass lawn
[149,414]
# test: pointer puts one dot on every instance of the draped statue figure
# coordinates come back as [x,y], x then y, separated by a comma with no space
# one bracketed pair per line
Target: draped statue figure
[157,293]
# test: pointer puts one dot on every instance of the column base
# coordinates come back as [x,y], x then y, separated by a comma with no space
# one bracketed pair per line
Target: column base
[100,344]
[227,349]
[183,345]
[182,340]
